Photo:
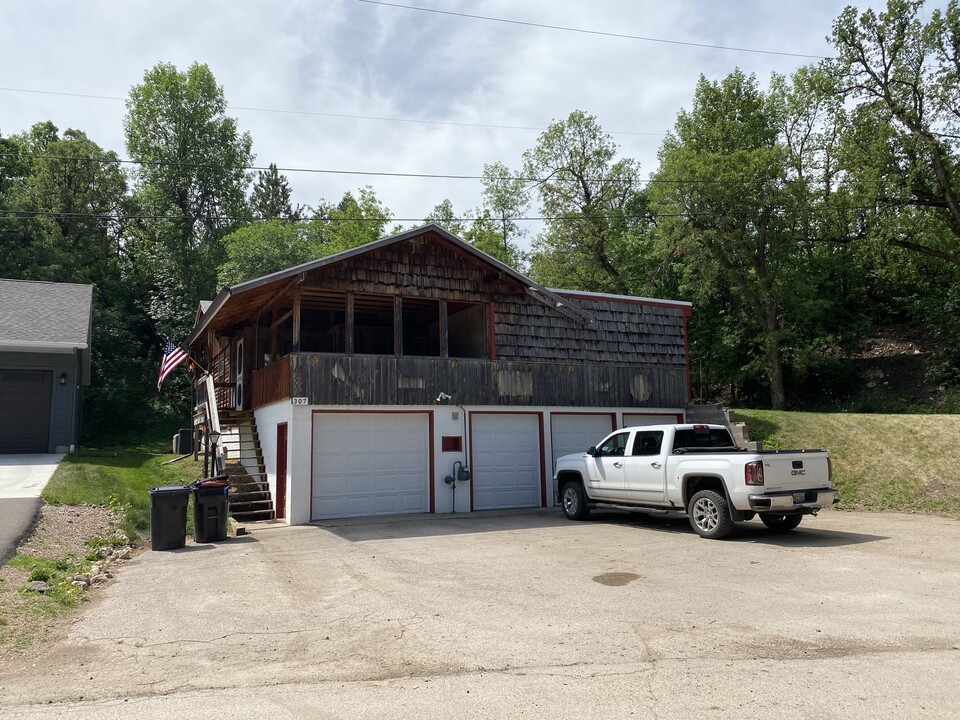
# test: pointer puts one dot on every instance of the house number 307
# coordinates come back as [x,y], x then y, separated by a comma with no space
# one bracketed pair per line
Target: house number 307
[299,401]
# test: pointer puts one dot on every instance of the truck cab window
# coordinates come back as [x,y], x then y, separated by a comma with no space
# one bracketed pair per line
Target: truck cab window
[648,443]
[615,444]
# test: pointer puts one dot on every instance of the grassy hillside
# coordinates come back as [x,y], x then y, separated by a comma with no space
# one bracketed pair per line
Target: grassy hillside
[909,463]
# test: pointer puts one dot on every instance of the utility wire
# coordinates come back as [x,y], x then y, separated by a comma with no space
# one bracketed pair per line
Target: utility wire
[372,173]
[342,116]
[27,214]
[592,32]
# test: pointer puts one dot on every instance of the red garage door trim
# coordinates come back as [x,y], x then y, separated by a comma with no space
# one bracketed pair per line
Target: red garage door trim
[430,444]
[543,476]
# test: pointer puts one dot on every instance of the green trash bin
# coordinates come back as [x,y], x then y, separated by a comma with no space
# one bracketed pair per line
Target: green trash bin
[210,509]
[168,517]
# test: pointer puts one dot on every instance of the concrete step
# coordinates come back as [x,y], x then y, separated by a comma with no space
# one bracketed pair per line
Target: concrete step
[253,515]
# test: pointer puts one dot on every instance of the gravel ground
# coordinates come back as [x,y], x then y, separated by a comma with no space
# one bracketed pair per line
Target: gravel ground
[28,619]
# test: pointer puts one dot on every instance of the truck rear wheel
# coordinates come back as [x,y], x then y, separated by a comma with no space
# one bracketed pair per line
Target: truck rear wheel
[574,501]
[710,515]
[781,523]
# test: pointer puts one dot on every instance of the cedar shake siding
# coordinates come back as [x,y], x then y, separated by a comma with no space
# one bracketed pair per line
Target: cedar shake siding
[398,321]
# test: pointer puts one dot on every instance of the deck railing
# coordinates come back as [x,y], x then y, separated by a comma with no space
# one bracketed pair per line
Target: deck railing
[271,383]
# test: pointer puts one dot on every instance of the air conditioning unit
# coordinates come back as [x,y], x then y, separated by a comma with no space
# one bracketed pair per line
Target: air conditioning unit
[239,393]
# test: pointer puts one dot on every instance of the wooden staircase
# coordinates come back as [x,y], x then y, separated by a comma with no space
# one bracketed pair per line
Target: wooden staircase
[250,497]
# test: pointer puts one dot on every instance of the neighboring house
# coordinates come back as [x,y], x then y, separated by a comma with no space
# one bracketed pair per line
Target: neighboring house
[44,361]
[358,384]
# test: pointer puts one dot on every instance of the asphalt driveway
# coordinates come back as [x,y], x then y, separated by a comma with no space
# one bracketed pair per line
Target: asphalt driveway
[22,479]
[520,615]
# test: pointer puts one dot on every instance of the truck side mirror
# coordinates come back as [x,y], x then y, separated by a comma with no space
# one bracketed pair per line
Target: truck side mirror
[592,451]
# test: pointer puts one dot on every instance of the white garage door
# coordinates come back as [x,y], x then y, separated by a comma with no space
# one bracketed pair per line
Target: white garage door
[575,433]
[641,419]
[370,464]
[506,461]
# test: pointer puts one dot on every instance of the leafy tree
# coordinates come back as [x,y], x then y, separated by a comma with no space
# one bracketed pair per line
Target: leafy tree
[444,216]
[901,148]
[354,221]
[587,197]
[265,247]
[728,205]
[483,231]
[505,199]
[271,195]
[190,187]
[67,193]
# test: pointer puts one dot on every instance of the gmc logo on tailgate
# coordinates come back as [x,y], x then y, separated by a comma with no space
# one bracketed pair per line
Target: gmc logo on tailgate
[798,472]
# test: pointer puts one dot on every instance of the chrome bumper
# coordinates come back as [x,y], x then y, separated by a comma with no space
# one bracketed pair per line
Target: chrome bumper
[790,501]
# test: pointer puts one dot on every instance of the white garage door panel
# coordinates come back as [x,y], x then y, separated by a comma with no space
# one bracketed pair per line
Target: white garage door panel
[642,420]
[576,433]
[506,461]
[370,464]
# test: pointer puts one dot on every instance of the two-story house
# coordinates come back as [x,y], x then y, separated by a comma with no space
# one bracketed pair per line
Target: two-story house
[364,383]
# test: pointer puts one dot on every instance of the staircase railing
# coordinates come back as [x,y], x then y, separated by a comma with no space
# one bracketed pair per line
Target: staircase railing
[207,404]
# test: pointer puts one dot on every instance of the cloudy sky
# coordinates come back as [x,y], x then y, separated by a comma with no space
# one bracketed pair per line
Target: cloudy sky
[426,92]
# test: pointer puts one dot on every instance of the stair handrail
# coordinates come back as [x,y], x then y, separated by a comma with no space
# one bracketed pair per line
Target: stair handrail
[213,423]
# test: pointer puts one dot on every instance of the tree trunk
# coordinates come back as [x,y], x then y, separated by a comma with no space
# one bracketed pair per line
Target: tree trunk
[778,396]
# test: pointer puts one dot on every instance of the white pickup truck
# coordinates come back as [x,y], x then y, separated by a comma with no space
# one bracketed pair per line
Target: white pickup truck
[696,469]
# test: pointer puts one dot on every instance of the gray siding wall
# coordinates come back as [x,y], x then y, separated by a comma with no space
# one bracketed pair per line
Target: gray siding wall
[65,398]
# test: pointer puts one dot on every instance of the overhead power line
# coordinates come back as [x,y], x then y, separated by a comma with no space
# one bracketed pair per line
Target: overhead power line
[339,116]
[112,217]
[375,173]
[601,33]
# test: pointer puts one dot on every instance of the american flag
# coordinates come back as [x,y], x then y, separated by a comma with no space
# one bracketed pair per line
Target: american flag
[172,356]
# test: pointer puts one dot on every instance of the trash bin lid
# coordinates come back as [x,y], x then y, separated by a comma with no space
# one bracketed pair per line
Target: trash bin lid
[171,489]
[212,483]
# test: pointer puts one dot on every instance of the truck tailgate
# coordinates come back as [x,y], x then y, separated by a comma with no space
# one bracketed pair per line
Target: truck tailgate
[784,471]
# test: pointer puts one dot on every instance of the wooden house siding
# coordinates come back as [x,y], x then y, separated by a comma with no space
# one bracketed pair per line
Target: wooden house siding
[376,380]
[492,338]
[419,267]
[625,333]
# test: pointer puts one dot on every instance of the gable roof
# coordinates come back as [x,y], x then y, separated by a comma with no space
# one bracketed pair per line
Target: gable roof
[44,316]
[544,295]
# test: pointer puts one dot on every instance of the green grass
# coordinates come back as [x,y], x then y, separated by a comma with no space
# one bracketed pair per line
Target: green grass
[907,463]
[120,480]
[57,573]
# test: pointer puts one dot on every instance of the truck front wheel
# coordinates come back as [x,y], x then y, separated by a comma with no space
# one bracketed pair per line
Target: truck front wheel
[574,501]
[781,523]
[710,515]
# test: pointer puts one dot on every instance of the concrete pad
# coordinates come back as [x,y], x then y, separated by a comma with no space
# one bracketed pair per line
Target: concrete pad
[17,516]
[25,476]
[22,479]
[520,615]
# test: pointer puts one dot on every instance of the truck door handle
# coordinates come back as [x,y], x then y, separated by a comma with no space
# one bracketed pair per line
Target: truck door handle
[656,465]
[618,464]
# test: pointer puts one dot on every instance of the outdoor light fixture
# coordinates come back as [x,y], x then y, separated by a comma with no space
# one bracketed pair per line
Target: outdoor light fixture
[442,399]
[63,378]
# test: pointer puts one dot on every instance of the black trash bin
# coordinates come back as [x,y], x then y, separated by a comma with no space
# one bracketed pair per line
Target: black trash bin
[168,517]
[210,509]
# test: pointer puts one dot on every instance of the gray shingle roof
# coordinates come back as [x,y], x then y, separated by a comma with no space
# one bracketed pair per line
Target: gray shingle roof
[45,314]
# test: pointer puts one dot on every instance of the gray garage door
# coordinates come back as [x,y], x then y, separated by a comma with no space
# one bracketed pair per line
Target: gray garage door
[25,410]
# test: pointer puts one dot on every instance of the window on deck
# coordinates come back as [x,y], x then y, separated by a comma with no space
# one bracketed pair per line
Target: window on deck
[467,330]
[420,327]
[373,325]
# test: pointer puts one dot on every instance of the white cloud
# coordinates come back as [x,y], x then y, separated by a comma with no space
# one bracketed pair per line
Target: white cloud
[359,59]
